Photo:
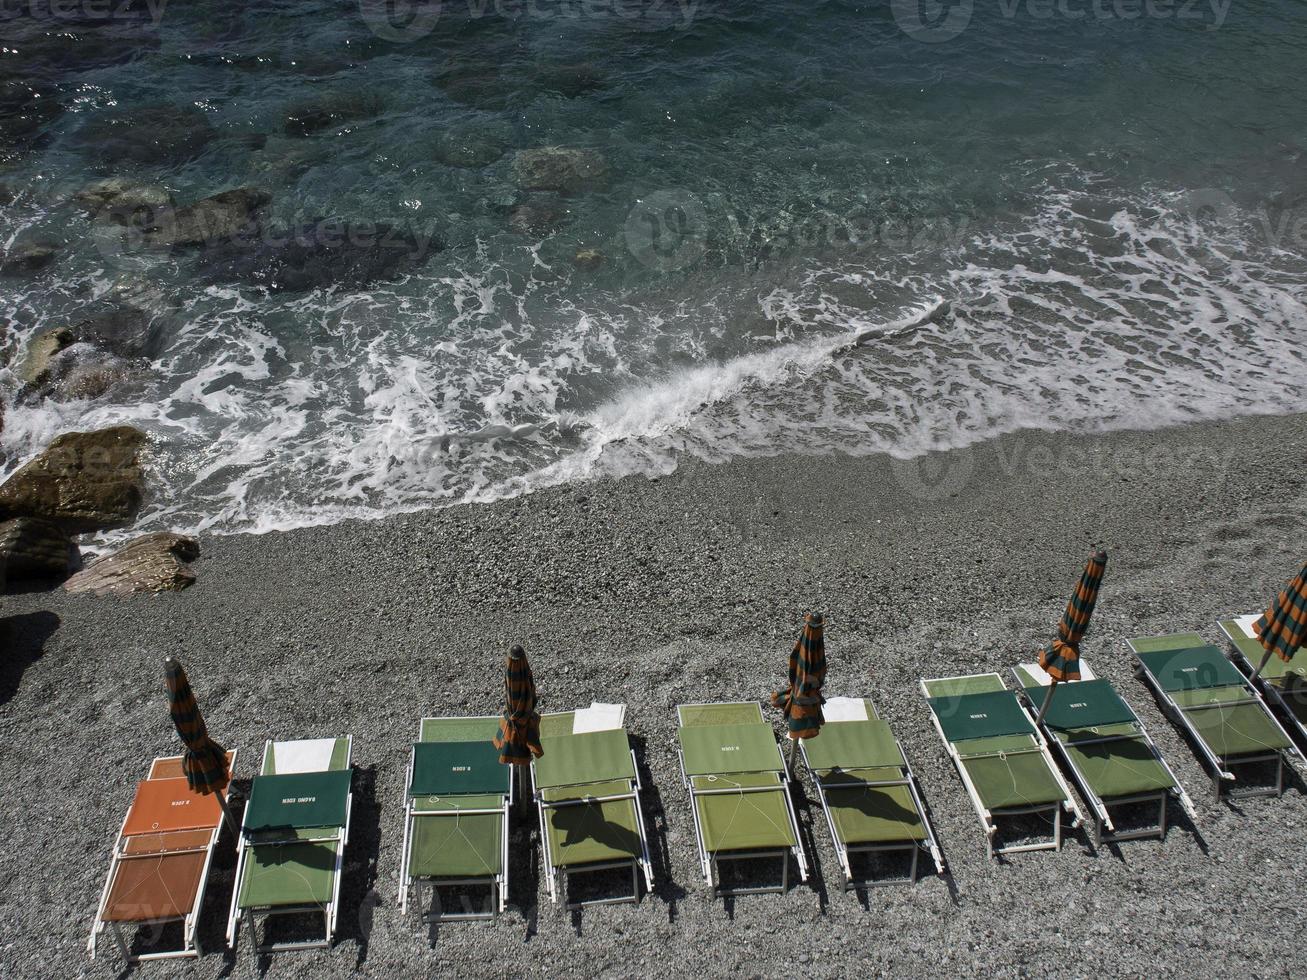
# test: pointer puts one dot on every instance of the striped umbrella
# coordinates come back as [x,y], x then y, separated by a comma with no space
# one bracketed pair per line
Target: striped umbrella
[205,761]
[1061,660]
[519,728]
[1282,629]
[801,700]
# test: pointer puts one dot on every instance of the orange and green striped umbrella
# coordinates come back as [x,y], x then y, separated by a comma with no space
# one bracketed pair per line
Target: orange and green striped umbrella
[801,700]
[205,762]
[1061,660]
[1282,629]
[519,728]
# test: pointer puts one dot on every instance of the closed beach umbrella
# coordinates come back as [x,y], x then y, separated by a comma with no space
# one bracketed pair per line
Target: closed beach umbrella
[801,700]
[1061,660]
[1283,627]
[205,761]
[519,728]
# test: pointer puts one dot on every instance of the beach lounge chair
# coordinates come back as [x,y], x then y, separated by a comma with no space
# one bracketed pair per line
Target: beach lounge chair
[867,790]
[739,785]
[161,861]
[1003,760]
[293,838]
[1283,684]
[586,787]
[1207,697]
[1104,746]
[456,802]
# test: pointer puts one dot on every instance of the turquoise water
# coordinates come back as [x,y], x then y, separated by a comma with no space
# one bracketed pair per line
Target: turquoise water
[824,227]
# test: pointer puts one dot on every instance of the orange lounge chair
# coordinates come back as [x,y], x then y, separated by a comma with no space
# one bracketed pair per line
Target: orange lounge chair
[160,862]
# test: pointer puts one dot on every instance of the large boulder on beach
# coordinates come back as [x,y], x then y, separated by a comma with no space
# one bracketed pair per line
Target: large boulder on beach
[32,550]
[318,254]
[151,563]
[82,481]
[209,220]
[27,259]
[558,168]
[153,135]
[122,201]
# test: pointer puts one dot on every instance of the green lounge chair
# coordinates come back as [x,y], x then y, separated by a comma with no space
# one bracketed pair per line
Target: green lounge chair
[868,793]
[739,784]
[1104,746]
[1206,696]
[1283,684]
[457,796]
[293,837]
[587,791]
[1001,757]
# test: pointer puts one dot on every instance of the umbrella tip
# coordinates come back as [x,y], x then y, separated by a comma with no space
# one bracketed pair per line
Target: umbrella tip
[517,653]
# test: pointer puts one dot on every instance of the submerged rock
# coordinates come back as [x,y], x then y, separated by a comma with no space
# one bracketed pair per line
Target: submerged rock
[25,106]
[558,168]
[155,135]
[209,220]
[123,201]
[82,481]
[120,329]
[570,81]
[538,217]
[27,259]
[32,549]
[471,148]
[331,112]
[151,563]
[588,259]
[323,253]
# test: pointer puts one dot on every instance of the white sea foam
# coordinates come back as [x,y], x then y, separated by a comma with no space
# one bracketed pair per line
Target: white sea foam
[489,381]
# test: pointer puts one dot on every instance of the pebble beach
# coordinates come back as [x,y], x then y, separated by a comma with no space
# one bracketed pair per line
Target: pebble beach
[657,592]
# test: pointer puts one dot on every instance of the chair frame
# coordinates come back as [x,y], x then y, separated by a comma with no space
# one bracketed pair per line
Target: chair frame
[636,864]
[709,863]
[989,818]
[1099,805]
[1268,690]
[329,911]
[191,946]
[843,850]
[498,884]
[1219,765]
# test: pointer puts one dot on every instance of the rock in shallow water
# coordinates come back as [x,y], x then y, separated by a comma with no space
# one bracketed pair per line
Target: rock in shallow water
[82,481]
[27,259]
[330,112]
[558,168]
[166,135]
[33,549]
[122,201]
[151,563]
[318,254]
[209,220]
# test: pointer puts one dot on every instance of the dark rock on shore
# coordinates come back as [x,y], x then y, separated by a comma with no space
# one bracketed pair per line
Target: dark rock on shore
[155,135]
[323,253]
[33,550]
[209,220]
[82,481]
[157,562]
[558,168]
[27,259]
[328,113]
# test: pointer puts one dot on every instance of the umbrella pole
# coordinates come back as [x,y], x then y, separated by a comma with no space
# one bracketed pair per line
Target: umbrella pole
[226,810]
[1265,657]
[1048,699]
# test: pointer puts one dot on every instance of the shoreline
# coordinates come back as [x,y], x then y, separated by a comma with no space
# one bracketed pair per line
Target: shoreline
[659,592]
